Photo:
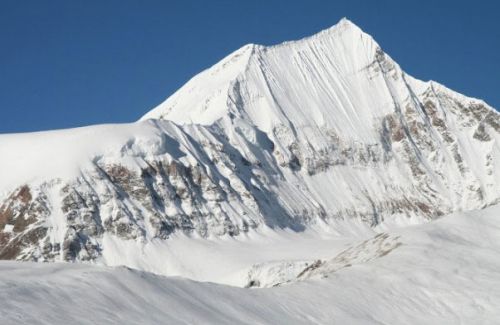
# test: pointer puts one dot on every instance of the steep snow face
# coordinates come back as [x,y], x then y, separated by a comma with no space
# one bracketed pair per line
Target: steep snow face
[357,134]
[321,81]
[322,133]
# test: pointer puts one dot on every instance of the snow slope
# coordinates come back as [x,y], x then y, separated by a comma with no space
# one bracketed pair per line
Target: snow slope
[445,271]
[36,157]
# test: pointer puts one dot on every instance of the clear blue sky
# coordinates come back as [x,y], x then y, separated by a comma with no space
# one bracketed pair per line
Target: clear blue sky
[74,63]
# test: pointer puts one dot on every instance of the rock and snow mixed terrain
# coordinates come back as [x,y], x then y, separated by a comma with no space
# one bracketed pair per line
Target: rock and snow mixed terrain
[279,164]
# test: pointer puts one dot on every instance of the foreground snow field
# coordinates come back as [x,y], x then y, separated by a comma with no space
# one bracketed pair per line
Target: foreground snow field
[442,272]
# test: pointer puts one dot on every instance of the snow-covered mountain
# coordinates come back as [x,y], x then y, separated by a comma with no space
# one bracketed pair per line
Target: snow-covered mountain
[322,134]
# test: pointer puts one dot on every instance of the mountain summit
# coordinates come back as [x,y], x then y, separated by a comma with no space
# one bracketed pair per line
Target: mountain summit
[326,132]
[271,82]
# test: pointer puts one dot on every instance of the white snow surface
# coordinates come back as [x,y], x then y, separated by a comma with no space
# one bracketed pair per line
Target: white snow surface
[39,156]
[442,272]
[228,260]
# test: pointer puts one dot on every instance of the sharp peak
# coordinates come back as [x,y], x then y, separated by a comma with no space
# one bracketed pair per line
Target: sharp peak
[343,25]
